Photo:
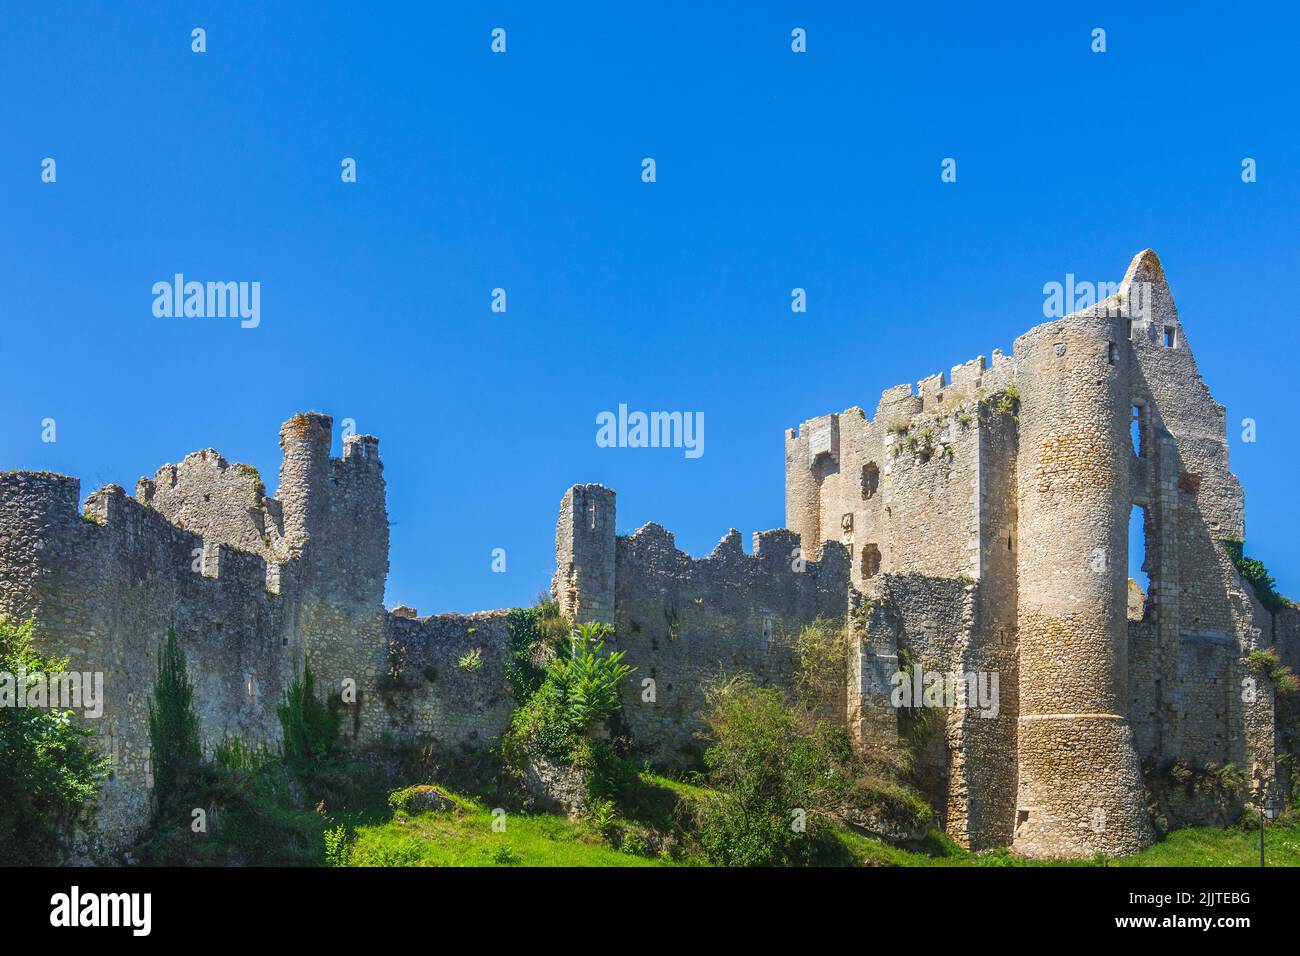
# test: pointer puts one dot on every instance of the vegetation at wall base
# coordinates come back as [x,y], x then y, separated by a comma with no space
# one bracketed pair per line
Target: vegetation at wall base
[50,771]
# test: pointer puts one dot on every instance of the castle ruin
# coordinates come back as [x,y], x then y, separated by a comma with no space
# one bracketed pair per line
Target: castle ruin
[975,525]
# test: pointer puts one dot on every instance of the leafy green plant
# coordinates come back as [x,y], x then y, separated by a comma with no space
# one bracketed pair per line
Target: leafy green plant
[591,678]
[534,634]
[471,660]
[1284,679]
[785,780]
[337,842]
[504,855]
[634,844]
[50,771]
[604,817]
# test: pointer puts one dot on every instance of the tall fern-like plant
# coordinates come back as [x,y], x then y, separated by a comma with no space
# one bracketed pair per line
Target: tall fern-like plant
[590,677]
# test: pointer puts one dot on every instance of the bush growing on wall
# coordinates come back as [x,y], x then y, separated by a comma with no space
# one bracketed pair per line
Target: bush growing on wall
[535,633]
[1257,576]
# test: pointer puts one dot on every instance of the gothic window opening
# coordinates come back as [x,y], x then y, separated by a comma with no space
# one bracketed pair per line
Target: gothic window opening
[1137,428]
[1139,590]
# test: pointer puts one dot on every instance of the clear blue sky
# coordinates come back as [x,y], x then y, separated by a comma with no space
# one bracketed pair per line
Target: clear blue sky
[522,171]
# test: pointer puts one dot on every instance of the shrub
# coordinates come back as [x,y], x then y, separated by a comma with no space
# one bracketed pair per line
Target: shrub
[310,726]
[1257,576]
[542,725]
[579,690]
[754,764]
[534,632]
[821,664]
[1284,679]
[591,678]
[49,770]
[785,780]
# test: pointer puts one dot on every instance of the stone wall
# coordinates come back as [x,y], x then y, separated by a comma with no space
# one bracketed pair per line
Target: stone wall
[104,588]
[684,621]
[256,588]
[429,696]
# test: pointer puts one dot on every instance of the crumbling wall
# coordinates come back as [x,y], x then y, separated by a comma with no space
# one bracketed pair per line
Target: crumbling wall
[104,588]
[684,621]
[429,696]
[223,503]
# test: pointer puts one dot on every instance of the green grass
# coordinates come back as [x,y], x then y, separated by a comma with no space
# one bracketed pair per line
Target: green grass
[465,838]
[1195,846]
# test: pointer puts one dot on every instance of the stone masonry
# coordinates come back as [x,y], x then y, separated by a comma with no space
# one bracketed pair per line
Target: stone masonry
[975,526]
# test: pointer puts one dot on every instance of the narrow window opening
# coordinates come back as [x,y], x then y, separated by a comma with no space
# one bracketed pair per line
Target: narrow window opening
[870,560]
[1112,353]
[870,479]
[1128,328]
[1136,428]
[1171,337]
[1139,579]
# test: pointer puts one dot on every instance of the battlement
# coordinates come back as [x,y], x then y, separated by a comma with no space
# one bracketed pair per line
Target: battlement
[902,403]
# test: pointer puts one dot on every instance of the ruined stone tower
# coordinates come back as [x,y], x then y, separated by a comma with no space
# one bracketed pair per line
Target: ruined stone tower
[1080,787]
[986,515]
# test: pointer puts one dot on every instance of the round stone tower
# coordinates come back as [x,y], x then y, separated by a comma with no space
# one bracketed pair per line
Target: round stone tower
[304,478]
[1080,783]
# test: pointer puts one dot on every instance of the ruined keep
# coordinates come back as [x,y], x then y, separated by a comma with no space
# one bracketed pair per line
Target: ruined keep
[975,526]
[987,519]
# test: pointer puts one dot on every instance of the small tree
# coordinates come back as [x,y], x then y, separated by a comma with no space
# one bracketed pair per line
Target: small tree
[49,770]
[579,689]
[176,750]
[591,678]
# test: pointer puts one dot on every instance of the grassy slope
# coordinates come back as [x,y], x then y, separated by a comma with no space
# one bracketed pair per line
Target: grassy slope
[465,838]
